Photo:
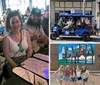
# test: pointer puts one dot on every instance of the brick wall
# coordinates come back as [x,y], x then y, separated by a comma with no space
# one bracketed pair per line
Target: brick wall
[54,65]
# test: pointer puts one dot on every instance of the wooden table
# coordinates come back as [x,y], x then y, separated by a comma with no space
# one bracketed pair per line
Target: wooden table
[41,57]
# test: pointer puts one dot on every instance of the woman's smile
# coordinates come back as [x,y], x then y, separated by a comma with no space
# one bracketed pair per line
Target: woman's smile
[15,23]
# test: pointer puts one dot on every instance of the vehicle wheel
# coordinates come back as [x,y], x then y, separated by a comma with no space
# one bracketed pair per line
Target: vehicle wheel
[53,36]
[86,37]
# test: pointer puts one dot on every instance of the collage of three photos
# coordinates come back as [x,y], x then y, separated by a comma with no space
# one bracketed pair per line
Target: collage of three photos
[49,42]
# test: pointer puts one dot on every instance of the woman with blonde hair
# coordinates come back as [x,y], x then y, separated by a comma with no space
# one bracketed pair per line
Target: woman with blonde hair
[59,74]
[84,75]
[67,75]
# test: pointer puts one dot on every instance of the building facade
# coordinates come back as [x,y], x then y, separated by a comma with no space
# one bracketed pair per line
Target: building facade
[86,6]
[54,64]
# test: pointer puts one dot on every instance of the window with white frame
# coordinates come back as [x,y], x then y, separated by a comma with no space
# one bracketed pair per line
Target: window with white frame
[17,4]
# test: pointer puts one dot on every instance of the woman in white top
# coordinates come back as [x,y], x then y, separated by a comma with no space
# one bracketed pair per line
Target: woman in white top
[78,75]
[85,75]
[67,75]
[59,74]
[17,44]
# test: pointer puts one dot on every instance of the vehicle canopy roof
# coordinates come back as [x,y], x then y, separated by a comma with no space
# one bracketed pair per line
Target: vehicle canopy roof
[75,15]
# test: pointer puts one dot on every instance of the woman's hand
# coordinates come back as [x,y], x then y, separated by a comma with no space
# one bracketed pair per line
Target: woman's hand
[43,39]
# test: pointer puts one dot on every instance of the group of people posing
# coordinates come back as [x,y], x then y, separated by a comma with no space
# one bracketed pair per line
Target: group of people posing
[67,75]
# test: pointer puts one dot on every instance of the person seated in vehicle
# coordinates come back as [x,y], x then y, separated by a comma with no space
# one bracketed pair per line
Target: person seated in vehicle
[87,21]
[83,24]
[78,24]
[88,24]
[68,24]
[63,21]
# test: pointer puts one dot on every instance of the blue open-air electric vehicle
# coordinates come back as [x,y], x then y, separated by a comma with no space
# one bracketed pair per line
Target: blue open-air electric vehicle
[82,30]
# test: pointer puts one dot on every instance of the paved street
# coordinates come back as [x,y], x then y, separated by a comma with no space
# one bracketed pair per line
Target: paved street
[94,79]
[94,38]
[77,39]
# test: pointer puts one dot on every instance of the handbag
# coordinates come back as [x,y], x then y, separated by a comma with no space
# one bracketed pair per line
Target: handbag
[5,72]
[79,78]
